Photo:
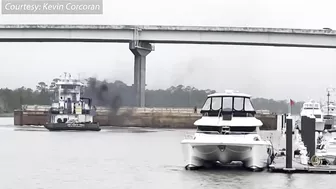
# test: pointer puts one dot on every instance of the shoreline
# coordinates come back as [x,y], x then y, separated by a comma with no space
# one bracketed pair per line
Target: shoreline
[7,114]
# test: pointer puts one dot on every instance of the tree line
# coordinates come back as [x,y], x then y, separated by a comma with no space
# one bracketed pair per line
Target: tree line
[105,93]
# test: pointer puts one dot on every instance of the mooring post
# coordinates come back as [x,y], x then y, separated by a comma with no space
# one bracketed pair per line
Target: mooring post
[304,123]
[289,142]
[310,137]
[282,123]
[308,129]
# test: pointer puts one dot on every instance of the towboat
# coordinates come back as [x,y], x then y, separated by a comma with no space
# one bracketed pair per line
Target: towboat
[69,110]
[227,132]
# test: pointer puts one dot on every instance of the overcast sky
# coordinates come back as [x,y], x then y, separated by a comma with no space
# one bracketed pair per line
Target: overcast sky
[271,72]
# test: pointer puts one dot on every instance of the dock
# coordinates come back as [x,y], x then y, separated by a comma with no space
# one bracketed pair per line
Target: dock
[289,163]
[279,166]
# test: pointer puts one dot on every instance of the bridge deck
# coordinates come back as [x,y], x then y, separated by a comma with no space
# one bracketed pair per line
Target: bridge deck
[173,28]
[252,36]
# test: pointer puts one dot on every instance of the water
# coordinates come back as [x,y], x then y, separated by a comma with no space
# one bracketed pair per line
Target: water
[120,158]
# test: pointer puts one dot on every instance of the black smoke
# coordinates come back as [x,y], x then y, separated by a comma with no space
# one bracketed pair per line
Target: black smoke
[111,99]
[103,95]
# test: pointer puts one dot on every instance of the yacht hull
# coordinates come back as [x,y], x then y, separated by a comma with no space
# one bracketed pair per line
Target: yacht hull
[253,155]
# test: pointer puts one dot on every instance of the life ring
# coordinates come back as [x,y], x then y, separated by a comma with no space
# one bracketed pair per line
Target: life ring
[315,160]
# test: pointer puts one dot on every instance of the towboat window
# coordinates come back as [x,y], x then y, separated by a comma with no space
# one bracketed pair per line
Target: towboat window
[68,87]
[206,105]
[238,103]
[311,106]
[227,103]
[216,103]
[248,105]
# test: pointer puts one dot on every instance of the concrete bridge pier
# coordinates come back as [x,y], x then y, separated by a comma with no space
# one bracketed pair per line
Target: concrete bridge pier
[140,50]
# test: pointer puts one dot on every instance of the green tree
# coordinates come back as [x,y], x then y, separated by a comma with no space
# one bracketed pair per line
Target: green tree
[106,93]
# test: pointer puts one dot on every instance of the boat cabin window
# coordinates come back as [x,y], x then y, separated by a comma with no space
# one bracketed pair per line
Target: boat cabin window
[310,106]
[317,116]
[227,103]
[216,103]
[238,103]
[207,104]
[68,86]
[248,105]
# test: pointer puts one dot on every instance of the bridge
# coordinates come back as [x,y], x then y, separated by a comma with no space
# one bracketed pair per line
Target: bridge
[141,39]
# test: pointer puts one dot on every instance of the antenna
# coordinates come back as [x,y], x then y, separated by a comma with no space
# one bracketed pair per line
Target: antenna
[329,89]
[328,95]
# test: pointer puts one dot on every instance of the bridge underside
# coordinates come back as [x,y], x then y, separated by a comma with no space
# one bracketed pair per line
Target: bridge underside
[140,39]
[243,43]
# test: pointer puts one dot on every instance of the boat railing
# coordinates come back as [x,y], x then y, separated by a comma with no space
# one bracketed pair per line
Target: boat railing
[219,114]
[189,136]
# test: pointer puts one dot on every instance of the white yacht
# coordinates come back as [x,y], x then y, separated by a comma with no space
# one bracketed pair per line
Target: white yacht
[69,110]
[313,108]
[227,132]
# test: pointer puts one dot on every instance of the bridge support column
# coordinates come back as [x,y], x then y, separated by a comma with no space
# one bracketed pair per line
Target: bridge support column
[140,51]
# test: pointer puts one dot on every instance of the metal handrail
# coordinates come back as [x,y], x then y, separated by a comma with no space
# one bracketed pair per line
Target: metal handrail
[188,136]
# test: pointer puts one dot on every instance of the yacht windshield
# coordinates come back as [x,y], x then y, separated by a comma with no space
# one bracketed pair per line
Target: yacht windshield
[248,105]
[227,103]
[238,103]
[216,103]
[207,104]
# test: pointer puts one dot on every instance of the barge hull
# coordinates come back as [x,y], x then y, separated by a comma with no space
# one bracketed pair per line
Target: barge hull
[139,117]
